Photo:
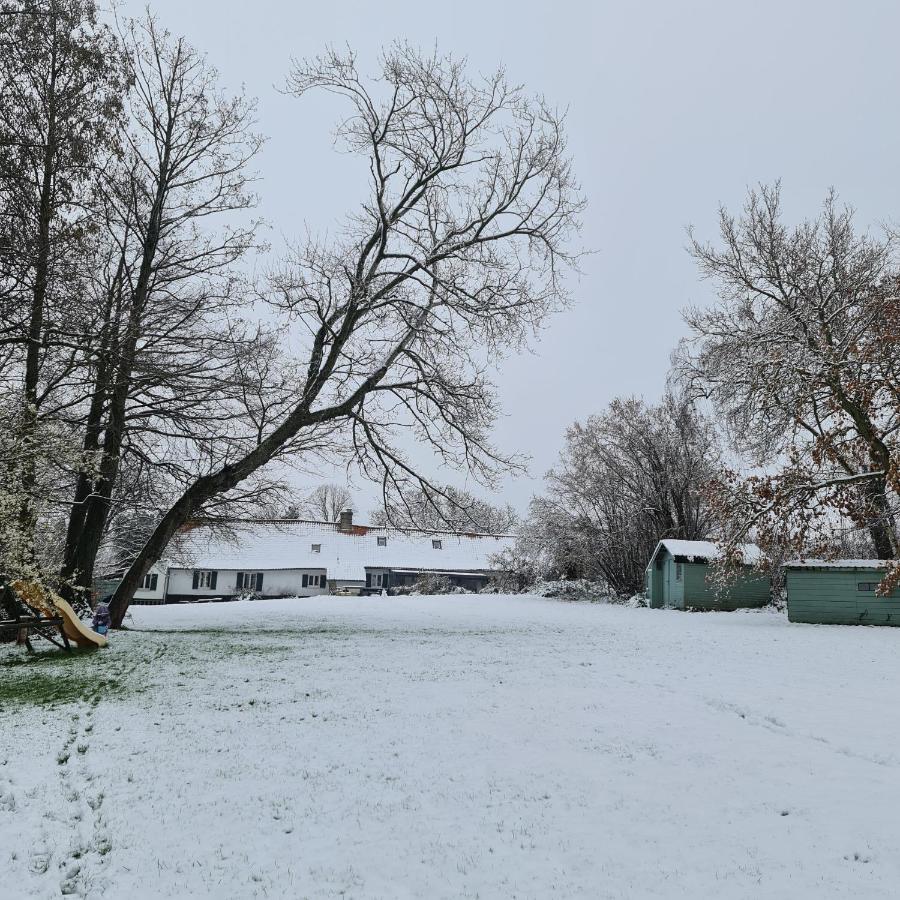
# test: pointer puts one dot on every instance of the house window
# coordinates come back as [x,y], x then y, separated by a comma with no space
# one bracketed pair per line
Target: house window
[249,581]
[382,541]
[436,545]
[868,586]
[316,548]
[678,571]
[205,579]
[305,580]
[149,582]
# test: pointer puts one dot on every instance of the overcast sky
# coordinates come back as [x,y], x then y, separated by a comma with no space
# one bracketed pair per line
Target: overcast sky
[674,108]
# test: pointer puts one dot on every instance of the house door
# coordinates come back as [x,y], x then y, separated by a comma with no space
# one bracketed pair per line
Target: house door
[672,585]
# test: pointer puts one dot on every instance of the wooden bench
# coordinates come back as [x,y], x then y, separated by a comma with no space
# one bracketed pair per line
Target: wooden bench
[28,620]
[50,629]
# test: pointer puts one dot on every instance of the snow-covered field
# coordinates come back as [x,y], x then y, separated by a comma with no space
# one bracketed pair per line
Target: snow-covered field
[454,747]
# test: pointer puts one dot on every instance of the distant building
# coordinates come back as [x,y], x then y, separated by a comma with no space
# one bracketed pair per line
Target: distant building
[151,590]
[840,592]
[678,576]
[286,558]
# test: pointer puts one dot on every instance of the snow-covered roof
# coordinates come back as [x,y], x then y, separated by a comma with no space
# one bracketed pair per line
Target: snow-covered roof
[703,551]
[344,555]
[839,564]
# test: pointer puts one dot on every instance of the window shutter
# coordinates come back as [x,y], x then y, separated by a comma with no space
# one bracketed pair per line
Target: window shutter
[305,580]
[196,580]
[153,580]
[259,581]
[212,579]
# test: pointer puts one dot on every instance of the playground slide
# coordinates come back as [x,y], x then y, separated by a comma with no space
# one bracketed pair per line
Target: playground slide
[53,605]
[75,629]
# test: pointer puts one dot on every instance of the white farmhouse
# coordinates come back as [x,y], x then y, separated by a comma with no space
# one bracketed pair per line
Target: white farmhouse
[286,558]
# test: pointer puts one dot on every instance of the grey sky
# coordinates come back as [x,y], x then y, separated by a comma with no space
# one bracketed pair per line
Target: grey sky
[674,107]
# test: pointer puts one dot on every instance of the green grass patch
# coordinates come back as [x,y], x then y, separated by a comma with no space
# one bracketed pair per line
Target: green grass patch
[51,677]
[45,687]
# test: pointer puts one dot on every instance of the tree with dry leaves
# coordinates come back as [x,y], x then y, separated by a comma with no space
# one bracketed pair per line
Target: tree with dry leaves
[801,359]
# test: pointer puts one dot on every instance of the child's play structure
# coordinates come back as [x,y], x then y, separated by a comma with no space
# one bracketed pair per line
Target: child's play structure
[29,608]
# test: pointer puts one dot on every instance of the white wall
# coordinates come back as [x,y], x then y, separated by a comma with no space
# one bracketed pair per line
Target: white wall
[159,593]
[276,583]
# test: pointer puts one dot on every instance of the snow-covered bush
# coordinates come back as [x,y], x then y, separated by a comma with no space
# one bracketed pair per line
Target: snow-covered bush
[429,583]
[576,589]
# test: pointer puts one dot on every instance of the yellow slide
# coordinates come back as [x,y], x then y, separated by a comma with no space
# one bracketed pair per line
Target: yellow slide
[51,604]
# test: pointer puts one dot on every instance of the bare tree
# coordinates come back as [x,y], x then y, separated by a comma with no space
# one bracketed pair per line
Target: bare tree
[169,362]
[327,502]
[801,359]
[626,479]
[447,507]
[456,255]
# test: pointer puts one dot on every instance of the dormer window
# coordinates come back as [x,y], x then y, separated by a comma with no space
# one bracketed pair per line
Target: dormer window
[316,548]
[436,545]
[382,541]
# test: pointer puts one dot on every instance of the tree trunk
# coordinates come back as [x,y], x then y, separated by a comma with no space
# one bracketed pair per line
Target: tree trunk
[84,486]
[95,510]
[28,435]
[882,527]
[201,491]
[73,564]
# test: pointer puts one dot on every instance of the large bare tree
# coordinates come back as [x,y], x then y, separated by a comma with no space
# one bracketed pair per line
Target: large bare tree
[456,255]
[626,478]
[800,357]
[166,359]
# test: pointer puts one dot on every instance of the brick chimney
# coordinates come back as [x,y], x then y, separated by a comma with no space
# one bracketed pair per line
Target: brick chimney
[345,523]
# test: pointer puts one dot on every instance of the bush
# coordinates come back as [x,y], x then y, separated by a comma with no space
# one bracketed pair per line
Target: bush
[429,583]
[577,589]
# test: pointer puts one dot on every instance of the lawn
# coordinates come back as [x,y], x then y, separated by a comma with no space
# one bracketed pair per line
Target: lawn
[453,747]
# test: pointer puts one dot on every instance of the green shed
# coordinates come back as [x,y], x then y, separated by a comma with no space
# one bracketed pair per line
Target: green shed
[678,576]
[839,592]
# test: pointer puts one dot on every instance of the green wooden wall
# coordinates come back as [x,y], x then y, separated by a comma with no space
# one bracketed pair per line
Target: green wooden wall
[746,592]
[663,587]
[654,586]
[831,596]
[695,591]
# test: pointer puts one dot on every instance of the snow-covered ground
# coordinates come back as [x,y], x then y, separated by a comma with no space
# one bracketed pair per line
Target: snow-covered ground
[455,747]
